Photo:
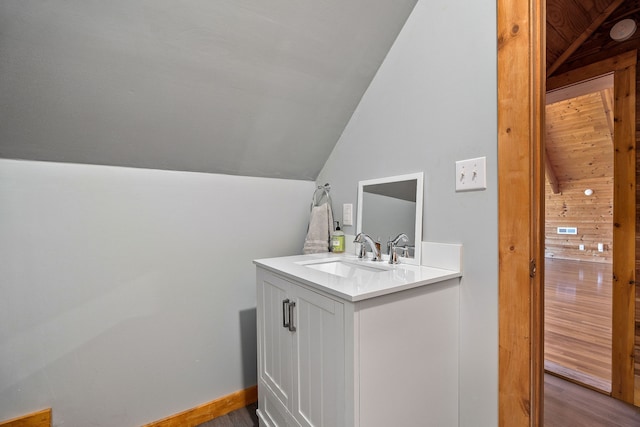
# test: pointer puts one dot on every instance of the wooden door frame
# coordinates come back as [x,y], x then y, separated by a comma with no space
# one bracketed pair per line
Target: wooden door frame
[521,93]
[624,210]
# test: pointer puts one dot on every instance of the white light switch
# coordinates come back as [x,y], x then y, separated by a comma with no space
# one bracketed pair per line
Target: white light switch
[471,174]
[347,214]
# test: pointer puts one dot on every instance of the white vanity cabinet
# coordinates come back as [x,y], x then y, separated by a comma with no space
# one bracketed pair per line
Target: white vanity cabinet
[362,360]
[301,355]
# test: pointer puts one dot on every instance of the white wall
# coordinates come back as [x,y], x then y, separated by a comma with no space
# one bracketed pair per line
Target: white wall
[129,294]
[433,102]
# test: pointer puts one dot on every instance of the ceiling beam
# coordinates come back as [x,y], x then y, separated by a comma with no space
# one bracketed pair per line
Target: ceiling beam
[551,174]
[584,36]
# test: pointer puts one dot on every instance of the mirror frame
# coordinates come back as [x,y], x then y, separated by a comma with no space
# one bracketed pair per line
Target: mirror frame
[419,177]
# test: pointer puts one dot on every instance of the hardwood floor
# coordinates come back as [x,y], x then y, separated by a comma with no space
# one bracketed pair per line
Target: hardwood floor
[565,405]
[570,405]
[577,328]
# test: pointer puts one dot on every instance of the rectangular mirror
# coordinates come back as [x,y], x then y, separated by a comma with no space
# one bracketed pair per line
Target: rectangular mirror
[390,206]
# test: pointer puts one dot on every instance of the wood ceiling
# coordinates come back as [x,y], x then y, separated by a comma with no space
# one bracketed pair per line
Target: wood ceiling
[579,131]
[579,139]
[580,28]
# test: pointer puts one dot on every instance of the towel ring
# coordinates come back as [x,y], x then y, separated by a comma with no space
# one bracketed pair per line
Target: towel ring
[321,194]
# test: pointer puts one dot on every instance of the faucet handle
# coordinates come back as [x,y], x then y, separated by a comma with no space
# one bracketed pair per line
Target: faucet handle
[392,245]
[406,250]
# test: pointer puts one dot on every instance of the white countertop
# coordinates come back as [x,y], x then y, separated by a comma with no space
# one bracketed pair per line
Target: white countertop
[369,278]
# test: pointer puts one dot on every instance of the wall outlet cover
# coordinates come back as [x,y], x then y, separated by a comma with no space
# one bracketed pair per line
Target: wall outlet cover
[347,214]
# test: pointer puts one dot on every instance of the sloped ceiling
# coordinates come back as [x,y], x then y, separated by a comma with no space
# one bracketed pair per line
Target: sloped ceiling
[243,87]
[577,30]
[579,139]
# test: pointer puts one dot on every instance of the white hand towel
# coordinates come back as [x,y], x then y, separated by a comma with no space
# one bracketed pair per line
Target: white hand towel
[320,228]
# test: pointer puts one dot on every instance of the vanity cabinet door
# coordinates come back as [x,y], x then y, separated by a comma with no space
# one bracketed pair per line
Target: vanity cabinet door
[319,360]
[301,355]
[275,340]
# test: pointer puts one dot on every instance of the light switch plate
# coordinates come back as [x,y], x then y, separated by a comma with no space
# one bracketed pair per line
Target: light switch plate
[471,174]
[347,214]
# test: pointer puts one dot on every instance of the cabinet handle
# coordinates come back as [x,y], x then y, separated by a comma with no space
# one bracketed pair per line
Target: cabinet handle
[285,321]
[292,327]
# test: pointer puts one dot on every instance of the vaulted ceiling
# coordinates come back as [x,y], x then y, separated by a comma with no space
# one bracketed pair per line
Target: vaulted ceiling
[577,30]
[249,87]
[579,130]
[243,87]
[579,138]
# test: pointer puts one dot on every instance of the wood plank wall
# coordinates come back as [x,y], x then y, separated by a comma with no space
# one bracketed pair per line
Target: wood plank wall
[586,60]
[637,341]
[592,215]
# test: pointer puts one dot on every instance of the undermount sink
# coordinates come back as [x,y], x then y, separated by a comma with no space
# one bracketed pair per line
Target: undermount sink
[343,268]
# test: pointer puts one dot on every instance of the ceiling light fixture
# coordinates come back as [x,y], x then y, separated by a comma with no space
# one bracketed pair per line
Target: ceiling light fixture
[588,192]
[623,30]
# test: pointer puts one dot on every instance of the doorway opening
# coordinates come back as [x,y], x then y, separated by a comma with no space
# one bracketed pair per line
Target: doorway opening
[579,232]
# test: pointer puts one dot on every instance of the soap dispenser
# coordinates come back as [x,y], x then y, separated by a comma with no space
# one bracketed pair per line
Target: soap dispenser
[337,240]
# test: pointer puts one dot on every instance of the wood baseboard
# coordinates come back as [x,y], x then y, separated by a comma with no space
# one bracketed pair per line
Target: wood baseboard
[210,410]
[35,419]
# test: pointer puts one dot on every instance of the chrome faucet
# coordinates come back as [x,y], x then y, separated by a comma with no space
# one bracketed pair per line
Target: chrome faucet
[364,238]
[392,245]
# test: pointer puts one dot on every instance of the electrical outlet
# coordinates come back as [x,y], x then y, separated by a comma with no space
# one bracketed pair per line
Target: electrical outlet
[471,174]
